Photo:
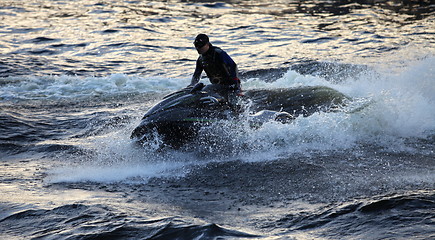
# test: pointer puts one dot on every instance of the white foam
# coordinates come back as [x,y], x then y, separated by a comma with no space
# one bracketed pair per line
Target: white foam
[399,106]
[61,87]
[56,87]
[115,158]
[403,102]
[290,79]
[402,105]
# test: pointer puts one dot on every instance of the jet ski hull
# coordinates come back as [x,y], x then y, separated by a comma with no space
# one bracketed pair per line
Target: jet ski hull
[171,133]
[179,117]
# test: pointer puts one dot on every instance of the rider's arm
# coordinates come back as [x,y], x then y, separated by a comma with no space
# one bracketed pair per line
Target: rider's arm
[231,69]
[229,64]
[197,74]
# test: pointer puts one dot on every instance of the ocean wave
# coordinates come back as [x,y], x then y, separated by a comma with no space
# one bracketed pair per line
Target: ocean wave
[377,218]
[61,87]
[80,221]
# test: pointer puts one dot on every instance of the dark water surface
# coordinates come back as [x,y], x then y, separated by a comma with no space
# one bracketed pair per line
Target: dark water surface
[77,76]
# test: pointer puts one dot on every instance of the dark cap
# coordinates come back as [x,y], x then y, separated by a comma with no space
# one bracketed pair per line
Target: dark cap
[201,40]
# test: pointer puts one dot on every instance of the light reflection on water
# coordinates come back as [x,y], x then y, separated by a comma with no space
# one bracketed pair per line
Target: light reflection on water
[152,38]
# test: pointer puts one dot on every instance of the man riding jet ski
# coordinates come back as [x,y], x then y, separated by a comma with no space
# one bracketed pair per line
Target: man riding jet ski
[217,64]
[178,118]
[193,104]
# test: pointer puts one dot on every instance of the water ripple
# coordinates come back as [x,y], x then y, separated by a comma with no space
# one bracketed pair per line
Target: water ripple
[91,33]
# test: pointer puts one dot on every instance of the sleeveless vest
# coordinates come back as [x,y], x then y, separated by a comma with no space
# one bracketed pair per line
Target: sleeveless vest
[214,67]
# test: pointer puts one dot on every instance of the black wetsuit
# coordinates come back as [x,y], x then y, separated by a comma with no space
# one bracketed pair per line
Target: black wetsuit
[219,67]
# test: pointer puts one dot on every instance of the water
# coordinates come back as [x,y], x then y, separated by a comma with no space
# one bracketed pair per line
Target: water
[77,76]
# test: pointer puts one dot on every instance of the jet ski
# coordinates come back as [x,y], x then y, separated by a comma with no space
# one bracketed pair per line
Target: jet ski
[179,116]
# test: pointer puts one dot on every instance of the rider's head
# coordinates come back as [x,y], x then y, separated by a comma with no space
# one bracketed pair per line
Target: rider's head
[202,43]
